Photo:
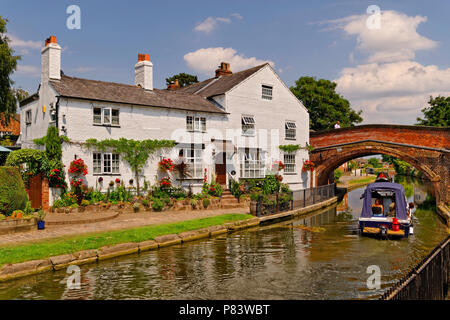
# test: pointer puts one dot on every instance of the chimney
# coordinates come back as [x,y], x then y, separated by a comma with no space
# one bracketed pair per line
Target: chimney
[51,60]
[174,85]
[143,72]
[224,70]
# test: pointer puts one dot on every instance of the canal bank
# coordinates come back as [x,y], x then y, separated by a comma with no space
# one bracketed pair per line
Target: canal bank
[11,271]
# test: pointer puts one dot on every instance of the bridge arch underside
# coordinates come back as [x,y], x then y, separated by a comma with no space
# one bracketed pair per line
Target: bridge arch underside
[329,159]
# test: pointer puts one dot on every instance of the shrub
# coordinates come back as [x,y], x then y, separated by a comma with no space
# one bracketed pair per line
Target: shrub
[75,205]
[206,202]
[41,215]
[285,188]
[271,184]
[193,203]
[28,209]
[58,203]
[254,196]
[12,191]
[157,204]
[145,203]
[337,174]
[136,207]
[2,217]
[85,203]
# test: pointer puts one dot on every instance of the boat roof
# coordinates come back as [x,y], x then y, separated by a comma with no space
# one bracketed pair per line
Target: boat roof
[386,185]
[400,200]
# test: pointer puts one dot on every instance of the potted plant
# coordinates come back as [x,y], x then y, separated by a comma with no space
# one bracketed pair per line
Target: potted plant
[40,220]
[136,207]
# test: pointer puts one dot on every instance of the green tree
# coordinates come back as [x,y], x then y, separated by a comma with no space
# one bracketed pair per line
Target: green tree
[184,79]
[325,106]
[438,114]
[53,148]
[135,152]
[8,63]
[374,162]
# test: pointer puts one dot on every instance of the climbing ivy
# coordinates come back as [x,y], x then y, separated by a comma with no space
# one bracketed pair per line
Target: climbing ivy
[295,147]
[135,152]
[289,147]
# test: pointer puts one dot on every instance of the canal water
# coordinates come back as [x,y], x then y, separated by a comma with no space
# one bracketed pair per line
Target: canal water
[326,260]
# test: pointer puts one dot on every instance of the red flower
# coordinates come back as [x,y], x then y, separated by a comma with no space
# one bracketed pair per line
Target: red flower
[117,180]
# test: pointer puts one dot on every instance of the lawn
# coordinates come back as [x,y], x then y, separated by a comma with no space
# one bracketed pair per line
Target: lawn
[363,180]
[53,247]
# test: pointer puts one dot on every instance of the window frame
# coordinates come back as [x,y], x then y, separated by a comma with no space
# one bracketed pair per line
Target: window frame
[104,160]
[28,117]
[290,130]
[195,123]
[248,125]
[193,156]
[102,116]
[266,92]
[292,163]
[251,163]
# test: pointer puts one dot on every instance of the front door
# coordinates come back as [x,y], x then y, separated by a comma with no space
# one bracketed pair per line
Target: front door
[221,168]
[35,191]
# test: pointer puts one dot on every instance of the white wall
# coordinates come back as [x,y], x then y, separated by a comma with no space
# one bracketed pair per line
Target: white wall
[271,115]
[40,119]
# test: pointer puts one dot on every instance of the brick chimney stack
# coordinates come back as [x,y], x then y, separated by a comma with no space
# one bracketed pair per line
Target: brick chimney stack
[224,70]
[174,85]
[143,72]
[50,60]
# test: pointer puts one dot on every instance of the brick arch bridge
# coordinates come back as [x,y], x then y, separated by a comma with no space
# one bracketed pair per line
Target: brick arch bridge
[425,148]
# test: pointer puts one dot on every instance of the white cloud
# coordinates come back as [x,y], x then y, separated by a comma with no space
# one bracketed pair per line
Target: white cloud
[388,85]
[237,16]
[206,60]
[28,70]
[392,92]
[211,23]
[396,39]
[23,46]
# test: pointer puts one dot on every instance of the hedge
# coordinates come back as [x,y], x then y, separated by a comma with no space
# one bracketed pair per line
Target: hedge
[13,195]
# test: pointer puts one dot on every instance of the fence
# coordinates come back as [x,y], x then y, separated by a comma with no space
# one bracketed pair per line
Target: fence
[272,204]
[429,280]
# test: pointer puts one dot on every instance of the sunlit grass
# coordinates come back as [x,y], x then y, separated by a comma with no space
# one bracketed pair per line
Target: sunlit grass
[47,248]
[362,180]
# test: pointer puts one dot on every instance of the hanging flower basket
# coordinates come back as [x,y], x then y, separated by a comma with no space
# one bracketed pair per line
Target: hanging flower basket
[78,167]
[308,165]
[166,165]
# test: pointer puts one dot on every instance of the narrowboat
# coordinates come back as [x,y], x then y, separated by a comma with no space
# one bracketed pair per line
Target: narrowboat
[385,212]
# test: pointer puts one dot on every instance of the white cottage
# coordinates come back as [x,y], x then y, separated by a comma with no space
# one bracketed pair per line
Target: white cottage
[228,126]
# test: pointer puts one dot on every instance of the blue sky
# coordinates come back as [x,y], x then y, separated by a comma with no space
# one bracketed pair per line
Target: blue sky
[388,73]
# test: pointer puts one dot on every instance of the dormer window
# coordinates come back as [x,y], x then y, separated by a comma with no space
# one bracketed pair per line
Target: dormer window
[291,130]
[267,92]
[248,125]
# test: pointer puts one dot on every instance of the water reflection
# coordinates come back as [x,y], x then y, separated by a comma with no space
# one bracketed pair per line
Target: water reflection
[288,260]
